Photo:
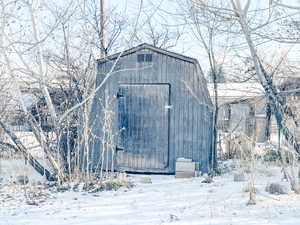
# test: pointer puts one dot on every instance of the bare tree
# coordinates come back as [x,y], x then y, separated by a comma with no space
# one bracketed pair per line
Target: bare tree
[245,26]
[64,80]
[206,29]
[159,35]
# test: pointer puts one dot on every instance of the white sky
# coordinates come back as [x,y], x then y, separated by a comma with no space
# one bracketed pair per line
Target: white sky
[187,44]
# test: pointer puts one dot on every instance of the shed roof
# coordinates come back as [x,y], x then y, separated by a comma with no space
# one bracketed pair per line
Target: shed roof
[152,48]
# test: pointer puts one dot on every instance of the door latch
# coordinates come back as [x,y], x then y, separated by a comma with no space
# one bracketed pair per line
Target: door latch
[168,107]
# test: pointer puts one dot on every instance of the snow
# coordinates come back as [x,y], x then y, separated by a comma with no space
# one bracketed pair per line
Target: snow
[29,141]
[10,169]
[166,201]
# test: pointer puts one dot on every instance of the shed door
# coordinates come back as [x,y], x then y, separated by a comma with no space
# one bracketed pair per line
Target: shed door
[143,118]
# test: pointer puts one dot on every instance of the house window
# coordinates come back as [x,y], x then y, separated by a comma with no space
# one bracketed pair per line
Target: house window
[224,118]
[227,112]
[144,58]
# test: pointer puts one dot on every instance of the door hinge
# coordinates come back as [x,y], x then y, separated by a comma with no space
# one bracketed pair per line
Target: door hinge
[120,149]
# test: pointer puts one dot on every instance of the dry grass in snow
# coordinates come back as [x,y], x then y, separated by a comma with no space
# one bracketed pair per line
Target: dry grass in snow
[164,201]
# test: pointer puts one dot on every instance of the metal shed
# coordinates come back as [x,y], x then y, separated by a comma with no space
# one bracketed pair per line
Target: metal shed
[160,110]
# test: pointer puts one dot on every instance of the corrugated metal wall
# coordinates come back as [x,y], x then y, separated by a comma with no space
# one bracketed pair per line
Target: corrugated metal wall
[190,118]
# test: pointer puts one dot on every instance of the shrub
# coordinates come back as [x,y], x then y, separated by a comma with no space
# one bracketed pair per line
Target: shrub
[276,189]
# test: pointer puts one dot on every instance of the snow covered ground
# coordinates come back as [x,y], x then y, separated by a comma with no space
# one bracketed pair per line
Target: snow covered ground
[166,201]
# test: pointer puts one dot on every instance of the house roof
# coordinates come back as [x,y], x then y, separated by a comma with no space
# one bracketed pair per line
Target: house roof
[152,48]
[228,92]
[236,90]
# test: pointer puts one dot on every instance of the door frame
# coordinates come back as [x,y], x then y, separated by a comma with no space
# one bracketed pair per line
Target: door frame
[166,169]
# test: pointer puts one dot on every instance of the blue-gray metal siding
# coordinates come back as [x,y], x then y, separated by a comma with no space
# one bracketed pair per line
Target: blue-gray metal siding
[191,115]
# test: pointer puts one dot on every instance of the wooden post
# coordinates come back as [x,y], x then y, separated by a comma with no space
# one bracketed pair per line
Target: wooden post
[102,29]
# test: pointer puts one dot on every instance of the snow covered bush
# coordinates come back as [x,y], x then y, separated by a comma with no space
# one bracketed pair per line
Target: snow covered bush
[276,189]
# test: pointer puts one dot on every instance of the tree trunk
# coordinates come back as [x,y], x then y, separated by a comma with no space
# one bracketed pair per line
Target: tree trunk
[215,123]
[270,90]
[268,121]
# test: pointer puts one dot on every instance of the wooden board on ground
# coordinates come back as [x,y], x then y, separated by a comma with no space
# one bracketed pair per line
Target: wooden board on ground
[185,174]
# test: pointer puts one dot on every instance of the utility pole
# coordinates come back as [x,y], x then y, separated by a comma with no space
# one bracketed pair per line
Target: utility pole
[102,30]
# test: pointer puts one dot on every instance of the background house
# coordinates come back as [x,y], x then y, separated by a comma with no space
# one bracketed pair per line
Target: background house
[243,109]
[241,105]
[290,92]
